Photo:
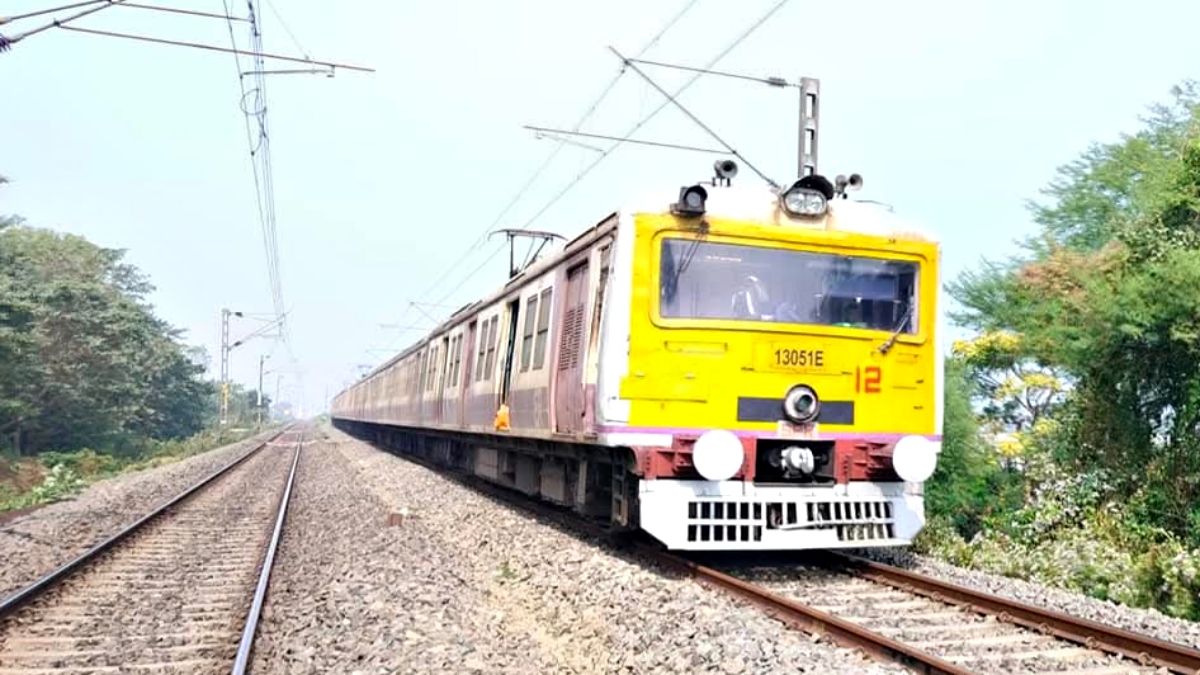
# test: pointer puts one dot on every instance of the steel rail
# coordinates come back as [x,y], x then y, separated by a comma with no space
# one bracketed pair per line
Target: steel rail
[264,578]
[814,621]
[19,599]
[1147,650]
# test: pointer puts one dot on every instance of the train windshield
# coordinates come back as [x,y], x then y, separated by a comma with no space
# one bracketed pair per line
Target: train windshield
[708,280]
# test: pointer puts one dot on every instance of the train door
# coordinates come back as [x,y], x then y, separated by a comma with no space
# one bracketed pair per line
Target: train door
[510,351]
[450,383]
[568,404]
[465,383]
[591,363]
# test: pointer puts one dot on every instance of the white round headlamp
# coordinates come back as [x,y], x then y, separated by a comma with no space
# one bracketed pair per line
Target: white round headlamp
[718,454]
[804,202]
[914,458]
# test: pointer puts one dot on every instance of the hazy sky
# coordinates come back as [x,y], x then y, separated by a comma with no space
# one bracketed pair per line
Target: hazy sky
[954,112]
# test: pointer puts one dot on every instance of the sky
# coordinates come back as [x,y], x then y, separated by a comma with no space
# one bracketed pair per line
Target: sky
[955,113]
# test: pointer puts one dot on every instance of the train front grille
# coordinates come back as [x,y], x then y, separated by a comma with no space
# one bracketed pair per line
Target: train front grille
[744,521]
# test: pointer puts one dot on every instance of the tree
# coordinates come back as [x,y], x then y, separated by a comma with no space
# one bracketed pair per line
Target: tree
[967,487]
[84,359]
[1105,298]
[7,220]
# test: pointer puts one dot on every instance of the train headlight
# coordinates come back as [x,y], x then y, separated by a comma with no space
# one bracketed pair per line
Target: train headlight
[800,201]
[801,404]
[914,458]
[691,202]
[718,454]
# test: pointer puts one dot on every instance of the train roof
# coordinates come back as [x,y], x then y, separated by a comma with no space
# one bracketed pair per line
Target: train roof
[760,203]
[745,201]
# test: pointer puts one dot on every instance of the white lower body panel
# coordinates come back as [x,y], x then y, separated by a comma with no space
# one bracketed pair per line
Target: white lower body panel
[734,515]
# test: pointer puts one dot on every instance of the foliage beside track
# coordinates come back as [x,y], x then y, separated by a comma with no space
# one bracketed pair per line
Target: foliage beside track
[64,474]
[1072,454]
[92,382]
[84,361]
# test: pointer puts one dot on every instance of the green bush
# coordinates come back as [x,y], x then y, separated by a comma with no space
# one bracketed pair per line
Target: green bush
[87,462]
[70,472]
[60,483]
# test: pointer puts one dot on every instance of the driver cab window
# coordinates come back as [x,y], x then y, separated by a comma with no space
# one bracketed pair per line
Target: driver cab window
[707,280]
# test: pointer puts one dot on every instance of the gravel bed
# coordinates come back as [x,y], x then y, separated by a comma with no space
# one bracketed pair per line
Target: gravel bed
[35,544]
[349,594]
[1143,621]
[467,584]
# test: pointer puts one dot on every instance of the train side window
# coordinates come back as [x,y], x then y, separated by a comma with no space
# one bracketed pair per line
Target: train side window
[491,347]
[431,371]
[458,351]
[480,347]
[423,362]
[543,330]
[531,307]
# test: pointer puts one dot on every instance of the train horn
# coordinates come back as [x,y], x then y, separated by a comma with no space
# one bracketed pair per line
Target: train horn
[725,169]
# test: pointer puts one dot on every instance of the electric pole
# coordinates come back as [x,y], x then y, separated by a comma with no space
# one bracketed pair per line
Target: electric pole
[225,365]
[261,359]
[227,347]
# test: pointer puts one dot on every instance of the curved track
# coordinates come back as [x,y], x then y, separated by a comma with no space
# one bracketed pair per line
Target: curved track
[174,592]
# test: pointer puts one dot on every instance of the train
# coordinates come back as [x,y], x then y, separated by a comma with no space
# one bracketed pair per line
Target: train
[720,366]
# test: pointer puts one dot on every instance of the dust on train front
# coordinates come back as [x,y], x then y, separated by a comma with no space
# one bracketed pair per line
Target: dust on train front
[780,386]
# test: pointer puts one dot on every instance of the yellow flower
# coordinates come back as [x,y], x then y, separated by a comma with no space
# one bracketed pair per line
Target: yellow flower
[1011,445]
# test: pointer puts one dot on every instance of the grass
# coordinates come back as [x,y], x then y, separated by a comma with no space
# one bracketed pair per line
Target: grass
[54,476]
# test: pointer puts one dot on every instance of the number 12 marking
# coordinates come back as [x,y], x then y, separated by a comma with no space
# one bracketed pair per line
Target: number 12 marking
[870,384]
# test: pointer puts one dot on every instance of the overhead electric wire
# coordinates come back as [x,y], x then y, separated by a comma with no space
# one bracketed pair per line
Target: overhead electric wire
[553,153]
[657,144]
[753,27]
[260,152]
[197,45]
[173,10]
[725,52]
[288,30]
[695,119]
[40,12]
[57,23]
[770,81]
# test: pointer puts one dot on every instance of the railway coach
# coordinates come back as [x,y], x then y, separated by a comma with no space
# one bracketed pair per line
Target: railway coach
[722,366]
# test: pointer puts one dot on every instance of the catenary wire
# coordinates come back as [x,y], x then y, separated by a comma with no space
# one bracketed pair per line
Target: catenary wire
[40,12]
[554,153]
[695,119]
[60,22]
[753,27]
[720,56]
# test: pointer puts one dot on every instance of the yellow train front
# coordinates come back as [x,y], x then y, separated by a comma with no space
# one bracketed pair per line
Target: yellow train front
[778,373]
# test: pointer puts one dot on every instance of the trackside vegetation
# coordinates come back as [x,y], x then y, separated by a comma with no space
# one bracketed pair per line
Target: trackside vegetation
[1072,451]
[91,381]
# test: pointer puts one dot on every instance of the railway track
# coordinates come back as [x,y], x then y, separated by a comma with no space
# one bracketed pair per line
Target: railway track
[936,627]
[923,623]
[179,591]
